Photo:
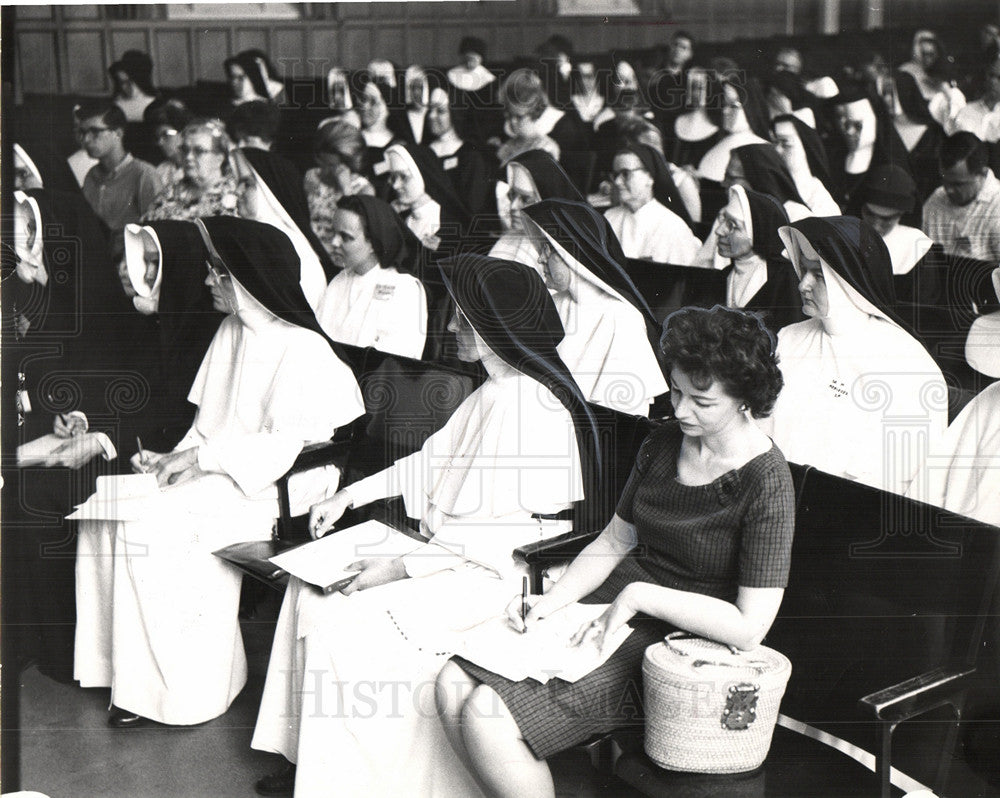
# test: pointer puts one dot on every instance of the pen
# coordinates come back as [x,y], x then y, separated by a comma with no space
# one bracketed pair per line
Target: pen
[524,603]
[142,457]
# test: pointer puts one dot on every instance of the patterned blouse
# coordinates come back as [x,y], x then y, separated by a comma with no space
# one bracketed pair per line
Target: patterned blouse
[711,539]
[323,198]
[182,201]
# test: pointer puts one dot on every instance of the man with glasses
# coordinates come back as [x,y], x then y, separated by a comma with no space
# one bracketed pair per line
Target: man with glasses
[118,187]
[963,215]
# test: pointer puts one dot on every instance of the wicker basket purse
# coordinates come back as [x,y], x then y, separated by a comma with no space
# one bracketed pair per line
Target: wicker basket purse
[709,707]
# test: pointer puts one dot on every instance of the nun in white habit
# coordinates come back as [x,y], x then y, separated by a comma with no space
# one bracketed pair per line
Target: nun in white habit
[369,658]
[259,203]
[424,196]
[374,301]
[964,477]
[531,176]
[609,326]
[156,611]
[862,398]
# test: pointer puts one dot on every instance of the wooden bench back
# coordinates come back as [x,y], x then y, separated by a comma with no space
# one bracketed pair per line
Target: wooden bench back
[881,589]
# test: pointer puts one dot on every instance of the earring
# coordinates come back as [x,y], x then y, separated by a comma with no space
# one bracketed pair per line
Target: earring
[744,407]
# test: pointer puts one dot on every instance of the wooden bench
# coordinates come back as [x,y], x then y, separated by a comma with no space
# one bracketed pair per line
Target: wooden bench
[883,620]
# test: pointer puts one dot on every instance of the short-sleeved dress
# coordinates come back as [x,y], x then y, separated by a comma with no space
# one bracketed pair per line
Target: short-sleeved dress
[710,539]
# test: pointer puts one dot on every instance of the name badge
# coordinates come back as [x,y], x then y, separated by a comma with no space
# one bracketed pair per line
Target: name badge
[381,167]
[450,163]
[384,292]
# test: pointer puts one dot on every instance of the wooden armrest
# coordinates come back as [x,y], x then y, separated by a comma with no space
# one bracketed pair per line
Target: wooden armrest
[561,547]
[544,552]
[917,695]
[320,454]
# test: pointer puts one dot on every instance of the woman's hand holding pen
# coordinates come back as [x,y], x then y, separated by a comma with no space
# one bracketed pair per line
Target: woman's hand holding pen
[538,607]
[324,515]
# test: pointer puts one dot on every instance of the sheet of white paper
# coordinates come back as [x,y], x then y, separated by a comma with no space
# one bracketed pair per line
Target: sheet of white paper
[544,652]
[491,543]
[322,562]
[122,497]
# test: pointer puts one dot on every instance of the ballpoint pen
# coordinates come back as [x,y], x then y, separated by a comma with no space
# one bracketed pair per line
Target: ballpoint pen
[142,456]
[524,603]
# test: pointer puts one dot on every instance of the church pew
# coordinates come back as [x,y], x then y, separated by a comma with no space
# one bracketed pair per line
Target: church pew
[883,620]
[668,287]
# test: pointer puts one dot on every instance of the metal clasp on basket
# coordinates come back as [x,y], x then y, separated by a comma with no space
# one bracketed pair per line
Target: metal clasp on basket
[741,706]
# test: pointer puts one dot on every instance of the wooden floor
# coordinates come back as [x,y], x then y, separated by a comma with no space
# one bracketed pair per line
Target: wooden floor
[68,751]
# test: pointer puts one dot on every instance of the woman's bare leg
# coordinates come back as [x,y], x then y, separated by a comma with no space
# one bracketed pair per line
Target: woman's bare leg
[451,691]
[501,758]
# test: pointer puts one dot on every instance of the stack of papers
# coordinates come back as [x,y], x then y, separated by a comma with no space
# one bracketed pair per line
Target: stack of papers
[543,652]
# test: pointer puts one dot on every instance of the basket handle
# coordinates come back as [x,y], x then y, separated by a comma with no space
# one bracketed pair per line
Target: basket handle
[681,635]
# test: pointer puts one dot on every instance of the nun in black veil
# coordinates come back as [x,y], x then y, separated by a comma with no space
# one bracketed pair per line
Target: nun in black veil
[472,514]
[610,328]
[270,383]
[73,392]
[423,195]
[165,266]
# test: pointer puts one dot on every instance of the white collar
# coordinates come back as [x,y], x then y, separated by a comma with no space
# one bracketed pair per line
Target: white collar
[549,119]
[470,79]
[447,145]
[906,246]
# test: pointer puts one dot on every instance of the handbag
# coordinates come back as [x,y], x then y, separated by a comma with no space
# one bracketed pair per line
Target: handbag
[711,708]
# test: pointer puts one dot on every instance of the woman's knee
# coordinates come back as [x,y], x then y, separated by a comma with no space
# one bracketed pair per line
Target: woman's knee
[485,716]
[451,690]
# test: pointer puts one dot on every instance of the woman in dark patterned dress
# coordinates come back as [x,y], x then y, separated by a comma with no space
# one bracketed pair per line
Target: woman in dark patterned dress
[701,541]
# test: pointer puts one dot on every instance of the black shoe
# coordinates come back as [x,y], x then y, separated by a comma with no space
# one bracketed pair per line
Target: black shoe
[281,782]
[119,718]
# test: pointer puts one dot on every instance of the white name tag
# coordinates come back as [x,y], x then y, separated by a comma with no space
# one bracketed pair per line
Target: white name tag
[450,163]
[383,292]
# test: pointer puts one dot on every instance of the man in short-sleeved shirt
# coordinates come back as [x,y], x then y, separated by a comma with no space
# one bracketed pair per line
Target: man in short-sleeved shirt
[963,215]
[118,187]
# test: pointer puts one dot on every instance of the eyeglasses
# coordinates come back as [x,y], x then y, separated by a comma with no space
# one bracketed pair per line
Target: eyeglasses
[624,173]
[197,152]
[519,196]
[217,272]
[725,224]
[851,125]
[94,132]
[166,133]
[544,253]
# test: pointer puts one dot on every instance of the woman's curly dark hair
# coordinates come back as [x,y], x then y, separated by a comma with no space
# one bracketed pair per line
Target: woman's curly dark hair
[731,346]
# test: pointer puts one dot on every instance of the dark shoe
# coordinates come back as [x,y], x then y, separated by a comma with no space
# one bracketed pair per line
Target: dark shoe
[281,782]
[119,718]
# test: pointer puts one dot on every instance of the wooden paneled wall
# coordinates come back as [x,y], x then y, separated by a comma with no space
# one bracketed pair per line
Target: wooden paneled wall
[66,49]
